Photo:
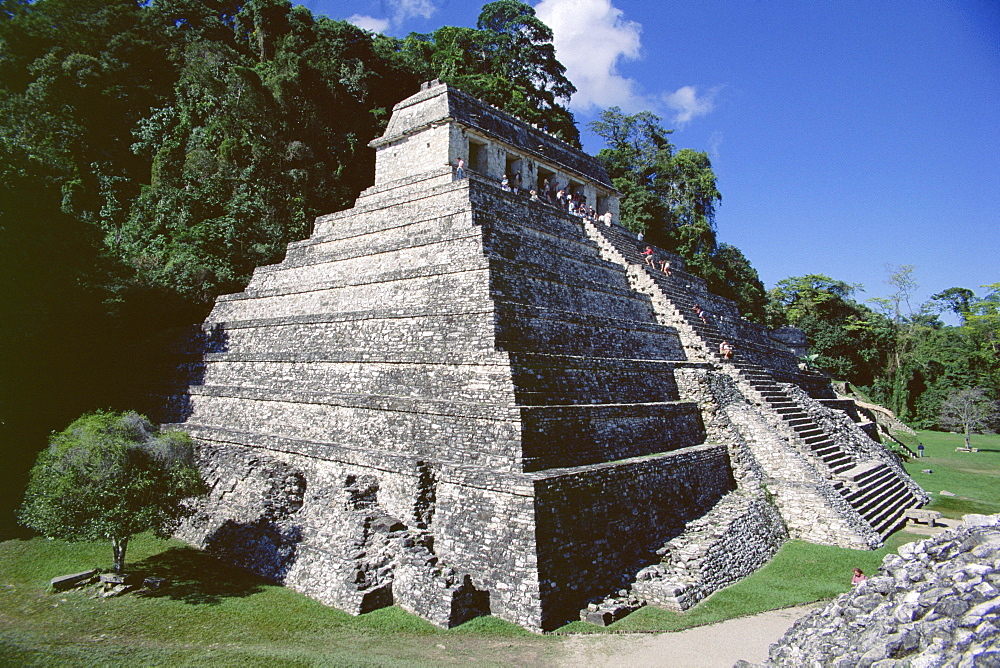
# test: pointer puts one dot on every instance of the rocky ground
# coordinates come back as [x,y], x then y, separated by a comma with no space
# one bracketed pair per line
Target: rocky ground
[935,604]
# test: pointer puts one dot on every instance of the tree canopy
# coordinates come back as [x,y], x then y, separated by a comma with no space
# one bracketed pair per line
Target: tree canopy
[849,339]
[508,60]
[905,358]
[111,476]
[670,196]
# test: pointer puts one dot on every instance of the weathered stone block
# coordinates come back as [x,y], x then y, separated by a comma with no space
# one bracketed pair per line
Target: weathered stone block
[64,582]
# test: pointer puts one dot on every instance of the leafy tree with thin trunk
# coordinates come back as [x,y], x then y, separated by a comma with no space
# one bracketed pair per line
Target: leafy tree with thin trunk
[970,410]
[111,476]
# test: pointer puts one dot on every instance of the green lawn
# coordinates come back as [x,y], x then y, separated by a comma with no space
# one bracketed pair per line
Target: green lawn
[215,614]
[974,477]
[800,573]
[219,615]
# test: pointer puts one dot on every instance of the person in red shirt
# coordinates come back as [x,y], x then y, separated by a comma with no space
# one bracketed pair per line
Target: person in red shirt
[648,256]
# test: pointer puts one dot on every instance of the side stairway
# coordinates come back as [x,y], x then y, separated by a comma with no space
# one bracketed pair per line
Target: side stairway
[871,487]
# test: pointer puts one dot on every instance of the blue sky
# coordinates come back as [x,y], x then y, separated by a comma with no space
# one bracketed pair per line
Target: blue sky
[846,134]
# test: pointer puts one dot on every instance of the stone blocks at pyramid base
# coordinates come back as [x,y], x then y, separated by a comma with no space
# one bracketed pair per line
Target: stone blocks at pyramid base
[447,542]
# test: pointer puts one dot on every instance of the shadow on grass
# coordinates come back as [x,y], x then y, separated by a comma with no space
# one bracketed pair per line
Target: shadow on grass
[197,578]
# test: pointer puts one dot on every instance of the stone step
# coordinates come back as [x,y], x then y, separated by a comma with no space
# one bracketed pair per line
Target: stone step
[839,467]
[892,520]
[888,506]
[866,470]
[826,449]
[834,455]
[875,476]
[865,499]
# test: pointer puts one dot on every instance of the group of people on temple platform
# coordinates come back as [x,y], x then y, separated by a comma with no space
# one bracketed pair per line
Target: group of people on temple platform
[572,203]
[550,193]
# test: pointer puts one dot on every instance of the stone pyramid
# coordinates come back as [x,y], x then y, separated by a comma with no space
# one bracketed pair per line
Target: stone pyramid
[463,401]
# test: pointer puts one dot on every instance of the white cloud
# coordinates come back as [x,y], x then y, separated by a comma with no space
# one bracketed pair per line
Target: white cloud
[368,22]
[591,37]
[405,9]
[689,104]
[401,11]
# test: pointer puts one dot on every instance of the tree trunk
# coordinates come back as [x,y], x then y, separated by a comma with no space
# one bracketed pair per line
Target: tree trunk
[119,545]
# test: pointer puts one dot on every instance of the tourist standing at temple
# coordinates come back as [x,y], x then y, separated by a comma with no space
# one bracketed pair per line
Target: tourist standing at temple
[460,172]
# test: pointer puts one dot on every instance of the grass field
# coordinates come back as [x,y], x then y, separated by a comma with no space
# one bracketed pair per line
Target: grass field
[213,614]
[974,477]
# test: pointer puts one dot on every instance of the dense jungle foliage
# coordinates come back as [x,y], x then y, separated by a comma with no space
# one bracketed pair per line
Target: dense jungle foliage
[153,152]
[905,359]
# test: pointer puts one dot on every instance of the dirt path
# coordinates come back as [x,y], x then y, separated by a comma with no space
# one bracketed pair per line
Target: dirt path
[717,645]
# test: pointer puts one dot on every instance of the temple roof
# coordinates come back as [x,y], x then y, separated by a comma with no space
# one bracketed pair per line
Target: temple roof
[441,103]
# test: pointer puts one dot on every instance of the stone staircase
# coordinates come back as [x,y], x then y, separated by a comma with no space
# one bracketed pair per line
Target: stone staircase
[872,488]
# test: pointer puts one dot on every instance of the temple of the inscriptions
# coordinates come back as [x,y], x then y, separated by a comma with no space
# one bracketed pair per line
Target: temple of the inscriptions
[462,401]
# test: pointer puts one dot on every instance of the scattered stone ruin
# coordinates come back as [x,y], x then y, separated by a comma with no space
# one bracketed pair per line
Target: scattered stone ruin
[462,401]
[935,604]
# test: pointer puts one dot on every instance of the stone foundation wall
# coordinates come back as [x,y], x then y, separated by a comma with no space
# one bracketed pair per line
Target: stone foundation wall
[598,526]
[738,536]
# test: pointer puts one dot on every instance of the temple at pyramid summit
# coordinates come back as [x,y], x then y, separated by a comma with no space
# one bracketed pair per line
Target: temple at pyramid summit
[463,400]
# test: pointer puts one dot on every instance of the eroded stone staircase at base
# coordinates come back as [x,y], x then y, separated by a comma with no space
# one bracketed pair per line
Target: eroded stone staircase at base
[872,488]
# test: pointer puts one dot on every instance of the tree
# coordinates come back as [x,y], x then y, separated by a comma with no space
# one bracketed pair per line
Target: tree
[970,410]
[111,476]
[957,300]
[670,196]
[508,60]
[900,373]
[850,340]
[739,281]
[903,283]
